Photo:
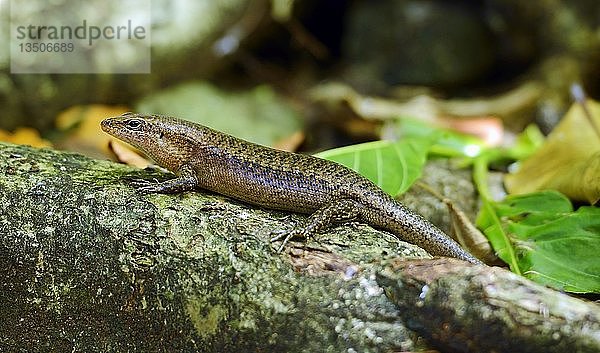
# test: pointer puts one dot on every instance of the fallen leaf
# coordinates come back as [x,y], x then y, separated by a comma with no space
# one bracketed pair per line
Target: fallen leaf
[290,143]
[464,231]
[24,136]
[568,161]
[543,238]
[125,154]
[469,237]
[82,126]
[427,107]
[5,136]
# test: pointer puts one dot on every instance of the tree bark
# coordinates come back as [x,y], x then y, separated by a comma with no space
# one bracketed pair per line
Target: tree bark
[89,265]
[466,308]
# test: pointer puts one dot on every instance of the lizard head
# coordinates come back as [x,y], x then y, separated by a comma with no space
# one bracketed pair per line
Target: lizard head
[164,139]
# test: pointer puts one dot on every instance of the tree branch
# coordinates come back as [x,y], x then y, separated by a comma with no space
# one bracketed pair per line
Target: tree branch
[90,265]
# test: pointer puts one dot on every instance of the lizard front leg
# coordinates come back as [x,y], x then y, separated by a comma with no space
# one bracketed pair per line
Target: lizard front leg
[185,181]
[339,211]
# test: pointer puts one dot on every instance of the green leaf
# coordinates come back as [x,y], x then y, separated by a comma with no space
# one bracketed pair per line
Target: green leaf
[551,243]
[536,204]
[447,143]
[489,222]
[393,166]
[527,142]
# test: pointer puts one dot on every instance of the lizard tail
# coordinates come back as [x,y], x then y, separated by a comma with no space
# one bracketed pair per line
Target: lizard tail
[413,228]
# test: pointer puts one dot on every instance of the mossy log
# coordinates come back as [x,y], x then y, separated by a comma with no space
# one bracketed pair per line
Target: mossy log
[463,308]
[89,265]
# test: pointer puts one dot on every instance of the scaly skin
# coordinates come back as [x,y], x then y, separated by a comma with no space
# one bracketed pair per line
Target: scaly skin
[211,160]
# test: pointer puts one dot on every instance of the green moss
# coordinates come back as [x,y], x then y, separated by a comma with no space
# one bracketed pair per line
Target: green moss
[206,323]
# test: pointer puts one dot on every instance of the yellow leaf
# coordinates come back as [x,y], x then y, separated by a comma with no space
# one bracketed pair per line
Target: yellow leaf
[83,126]
[5,136]
[24,136]
[569,160]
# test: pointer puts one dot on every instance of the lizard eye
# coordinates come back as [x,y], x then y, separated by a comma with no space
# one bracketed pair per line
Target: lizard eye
[133,124]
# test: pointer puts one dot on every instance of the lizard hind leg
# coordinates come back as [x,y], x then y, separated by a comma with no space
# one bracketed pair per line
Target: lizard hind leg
[338,211]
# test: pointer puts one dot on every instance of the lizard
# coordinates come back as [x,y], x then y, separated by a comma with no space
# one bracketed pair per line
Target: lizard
[203,158]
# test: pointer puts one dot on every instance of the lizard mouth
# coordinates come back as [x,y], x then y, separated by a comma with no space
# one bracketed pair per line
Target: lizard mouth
[107,125]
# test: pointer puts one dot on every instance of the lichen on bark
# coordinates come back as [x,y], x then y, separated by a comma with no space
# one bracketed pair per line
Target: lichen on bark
[90,265]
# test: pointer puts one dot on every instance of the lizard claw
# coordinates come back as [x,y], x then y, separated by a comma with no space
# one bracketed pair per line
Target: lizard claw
[284,242]
[280,234]
[286,237]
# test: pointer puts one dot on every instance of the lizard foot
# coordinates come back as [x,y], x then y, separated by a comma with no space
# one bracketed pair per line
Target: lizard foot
[286,236]
[145,186]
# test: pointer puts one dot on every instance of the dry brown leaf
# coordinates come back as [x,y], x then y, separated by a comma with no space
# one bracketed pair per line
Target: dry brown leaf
[469,237]
[464,231]
[427,107]
[568,161]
